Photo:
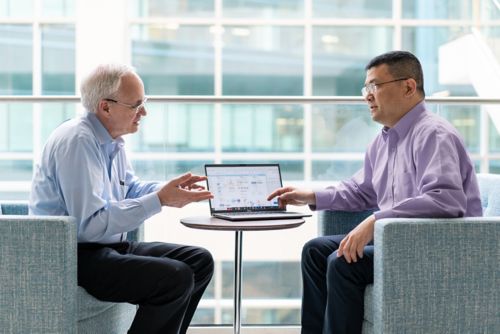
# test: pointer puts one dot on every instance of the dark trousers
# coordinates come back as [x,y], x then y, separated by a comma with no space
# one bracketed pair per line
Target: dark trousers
[166,281]
[333,290]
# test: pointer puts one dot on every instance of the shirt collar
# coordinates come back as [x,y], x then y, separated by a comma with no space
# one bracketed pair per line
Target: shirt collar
[406,122]
[100,131]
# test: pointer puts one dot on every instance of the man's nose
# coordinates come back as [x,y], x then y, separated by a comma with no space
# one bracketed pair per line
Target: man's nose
[368,97]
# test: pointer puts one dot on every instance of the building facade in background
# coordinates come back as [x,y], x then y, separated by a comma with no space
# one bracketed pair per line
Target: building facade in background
[244,48]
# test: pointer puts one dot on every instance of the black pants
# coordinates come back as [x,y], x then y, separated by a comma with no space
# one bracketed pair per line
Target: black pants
[333,290]
[166,281]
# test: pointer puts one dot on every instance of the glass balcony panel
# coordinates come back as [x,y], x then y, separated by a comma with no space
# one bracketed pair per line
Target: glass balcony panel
[466,119]
[262,60]
[58,8]
[175,128]
[171,8]
[58,60]
[262,128]
[276,282]
[342,128]
[174,59]
[339,56]
[272,316]
[494,166]
[334,169]
[14,195]
[203,316]
[270,9]
[16,125]
[16,170]
[493,112]
[16,67]
[162,170]
[16,9]
[53,114]
[352,9]
[444,9]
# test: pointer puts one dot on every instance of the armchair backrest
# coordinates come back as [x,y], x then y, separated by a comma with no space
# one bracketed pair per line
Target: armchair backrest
[339,222]
[489,187]
[14,208]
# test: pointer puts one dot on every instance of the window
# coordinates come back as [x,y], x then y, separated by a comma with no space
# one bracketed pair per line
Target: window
[233,48]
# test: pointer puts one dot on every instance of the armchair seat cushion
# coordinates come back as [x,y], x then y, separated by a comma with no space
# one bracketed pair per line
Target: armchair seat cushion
[88,306]
[95,316]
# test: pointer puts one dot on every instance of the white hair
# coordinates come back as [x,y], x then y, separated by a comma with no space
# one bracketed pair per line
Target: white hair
[103,82]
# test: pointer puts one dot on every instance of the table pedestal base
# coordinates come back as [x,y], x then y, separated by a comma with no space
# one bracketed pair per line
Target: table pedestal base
[237,281]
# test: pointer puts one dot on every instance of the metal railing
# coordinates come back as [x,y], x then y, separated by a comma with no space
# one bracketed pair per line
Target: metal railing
[252,99]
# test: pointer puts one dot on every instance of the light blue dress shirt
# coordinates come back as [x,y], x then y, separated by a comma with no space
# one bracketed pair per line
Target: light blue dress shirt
[418,168]
[83,172]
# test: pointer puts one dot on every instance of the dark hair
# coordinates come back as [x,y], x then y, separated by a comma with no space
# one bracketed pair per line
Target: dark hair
[401,64]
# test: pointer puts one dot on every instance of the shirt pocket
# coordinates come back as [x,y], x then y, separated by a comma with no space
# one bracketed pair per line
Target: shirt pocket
[124,187]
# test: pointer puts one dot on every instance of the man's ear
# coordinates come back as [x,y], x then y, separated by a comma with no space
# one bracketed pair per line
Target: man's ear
[411,87]
[103,106]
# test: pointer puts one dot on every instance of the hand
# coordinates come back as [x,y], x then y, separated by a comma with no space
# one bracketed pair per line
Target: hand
[293,196]
[352,246]
[183,190]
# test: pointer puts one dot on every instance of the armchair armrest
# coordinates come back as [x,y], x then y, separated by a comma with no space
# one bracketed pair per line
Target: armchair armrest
[38,274]
[437,275]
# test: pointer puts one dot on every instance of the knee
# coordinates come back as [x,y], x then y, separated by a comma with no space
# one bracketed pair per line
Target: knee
[206,258]
[205,265]
[180,281]
[310,251]
[337,267]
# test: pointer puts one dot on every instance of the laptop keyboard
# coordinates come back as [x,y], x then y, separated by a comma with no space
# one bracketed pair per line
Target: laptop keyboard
[253,213]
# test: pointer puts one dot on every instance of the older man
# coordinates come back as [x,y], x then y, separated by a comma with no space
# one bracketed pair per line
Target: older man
[416,167]
[84,172]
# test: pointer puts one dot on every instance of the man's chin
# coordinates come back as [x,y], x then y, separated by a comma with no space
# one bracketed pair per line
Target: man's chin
[133,129]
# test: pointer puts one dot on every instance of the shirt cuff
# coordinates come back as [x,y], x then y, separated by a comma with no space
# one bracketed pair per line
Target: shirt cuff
[151,204]
[323,199]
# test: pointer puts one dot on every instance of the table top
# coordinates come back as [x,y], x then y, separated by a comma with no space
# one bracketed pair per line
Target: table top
[212,223]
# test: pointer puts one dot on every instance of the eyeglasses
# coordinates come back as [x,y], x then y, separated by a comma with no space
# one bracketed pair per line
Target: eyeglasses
[135,108]
[371,88]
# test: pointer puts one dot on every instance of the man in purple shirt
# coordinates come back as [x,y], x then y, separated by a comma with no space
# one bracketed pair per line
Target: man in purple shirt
[416,167]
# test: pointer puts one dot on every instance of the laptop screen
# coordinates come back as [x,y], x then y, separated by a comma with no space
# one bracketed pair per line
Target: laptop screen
[243,187]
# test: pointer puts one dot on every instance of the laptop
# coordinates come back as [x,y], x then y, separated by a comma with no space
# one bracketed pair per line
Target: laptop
[240,192]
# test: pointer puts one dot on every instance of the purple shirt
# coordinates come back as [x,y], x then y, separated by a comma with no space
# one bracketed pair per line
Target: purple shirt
[418,168]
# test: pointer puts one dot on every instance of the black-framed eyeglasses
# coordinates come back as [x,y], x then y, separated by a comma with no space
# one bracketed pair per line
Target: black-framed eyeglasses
[371,88]
[135,108]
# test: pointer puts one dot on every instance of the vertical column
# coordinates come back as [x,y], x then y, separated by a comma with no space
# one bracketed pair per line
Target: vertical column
[37,81]
[308,45]
[217,30]
[397,14]
[101,34]
[484,135]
